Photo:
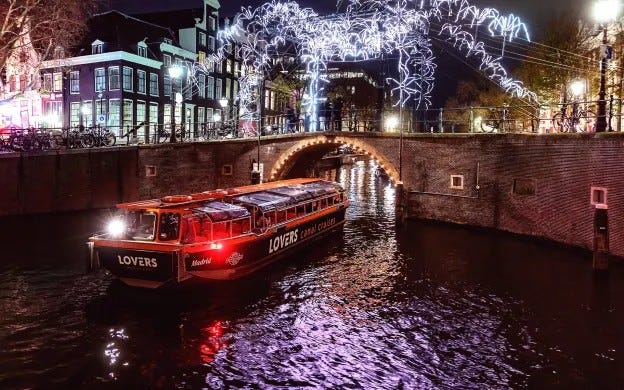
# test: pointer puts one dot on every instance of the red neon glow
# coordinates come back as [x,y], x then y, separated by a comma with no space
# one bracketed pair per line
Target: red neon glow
[211,341]
[216,245]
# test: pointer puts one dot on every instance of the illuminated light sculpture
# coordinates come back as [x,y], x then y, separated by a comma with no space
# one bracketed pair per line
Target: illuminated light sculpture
[365,30]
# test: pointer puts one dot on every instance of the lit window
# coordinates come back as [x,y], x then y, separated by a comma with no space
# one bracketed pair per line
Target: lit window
[113,114]
[47,82]
[128,114]
[97,48]
[58,82]
[202,39]
[142,51]
[166,60]
[74,115]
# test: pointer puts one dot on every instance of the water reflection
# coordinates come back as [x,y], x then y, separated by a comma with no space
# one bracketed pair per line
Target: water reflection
[423,306]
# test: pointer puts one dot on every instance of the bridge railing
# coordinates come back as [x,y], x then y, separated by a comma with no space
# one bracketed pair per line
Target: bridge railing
[576,116]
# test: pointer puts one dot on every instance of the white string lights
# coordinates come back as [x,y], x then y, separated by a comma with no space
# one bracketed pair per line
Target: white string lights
[364,30]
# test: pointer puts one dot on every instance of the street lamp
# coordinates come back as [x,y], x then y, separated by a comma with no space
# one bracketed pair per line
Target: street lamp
[84,110]
[604,11]
[392,123]
[577,87]
[223,102]
[175,72]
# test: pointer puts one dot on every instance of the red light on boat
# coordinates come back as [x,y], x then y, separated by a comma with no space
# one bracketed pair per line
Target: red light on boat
[216,245]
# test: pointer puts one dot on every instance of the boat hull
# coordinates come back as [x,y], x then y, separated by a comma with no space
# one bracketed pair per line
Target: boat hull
[232,259]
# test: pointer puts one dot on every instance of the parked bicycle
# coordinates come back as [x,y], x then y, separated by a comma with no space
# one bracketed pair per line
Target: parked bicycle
[497,120]
[224,130]
[164,134]
[102,136]
[580,120]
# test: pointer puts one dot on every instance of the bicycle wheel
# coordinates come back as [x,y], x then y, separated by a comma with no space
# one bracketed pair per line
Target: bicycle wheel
[19,143]
[87,140]
[586,122]
[560,123]
[109,139]
[489,125]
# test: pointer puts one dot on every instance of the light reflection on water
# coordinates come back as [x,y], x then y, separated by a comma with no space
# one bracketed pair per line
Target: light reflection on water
[424,306]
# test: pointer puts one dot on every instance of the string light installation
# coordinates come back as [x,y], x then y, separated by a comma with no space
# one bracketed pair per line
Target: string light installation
[366,30]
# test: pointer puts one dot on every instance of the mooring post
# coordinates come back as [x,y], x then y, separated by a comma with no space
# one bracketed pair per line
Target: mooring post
[400,204]
[601,239]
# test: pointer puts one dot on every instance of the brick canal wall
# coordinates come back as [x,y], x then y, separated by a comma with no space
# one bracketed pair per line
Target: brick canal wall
[532,185]
[527,184]
[71,180]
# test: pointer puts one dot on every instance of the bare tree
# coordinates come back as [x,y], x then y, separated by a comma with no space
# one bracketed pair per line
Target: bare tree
[50,26]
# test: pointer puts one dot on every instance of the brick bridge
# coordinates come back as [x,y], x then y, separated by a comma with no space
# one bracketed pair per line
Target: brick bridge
[536,185]
[292,156]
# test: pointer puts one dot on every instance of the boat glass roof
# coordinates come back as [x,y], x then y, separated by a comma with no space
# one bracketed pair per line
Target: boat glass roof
[264,200]
[220,211]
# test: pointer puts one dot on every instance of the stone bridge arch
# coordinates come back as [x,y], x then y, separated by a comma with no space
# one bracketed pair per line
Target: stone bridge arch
[312,149]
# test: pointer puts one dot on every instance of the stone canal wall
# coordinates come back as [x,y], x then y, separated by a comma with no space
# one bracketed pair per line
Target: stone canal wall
[532,185]
[526,184]
[71,180]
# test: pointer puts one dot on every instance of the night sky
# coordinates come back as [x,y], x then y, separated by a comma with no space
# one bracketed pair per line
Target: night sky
[535,12]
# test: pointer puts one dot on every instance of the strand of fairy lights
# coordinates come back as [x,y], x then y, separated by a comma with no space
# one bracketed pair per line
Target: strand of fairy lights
[367,29]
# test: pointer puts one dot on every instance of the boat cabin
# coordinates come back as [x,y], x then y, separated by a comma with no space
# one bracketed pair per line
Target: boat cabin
[232,216]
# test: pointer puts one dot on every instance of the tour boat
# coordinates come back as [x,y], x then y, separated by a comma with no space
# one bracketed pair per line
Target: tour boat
[216,235]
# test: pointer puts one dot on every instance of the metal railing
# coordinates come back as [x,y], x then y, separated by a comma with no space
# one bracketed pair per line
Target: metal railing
[576,116]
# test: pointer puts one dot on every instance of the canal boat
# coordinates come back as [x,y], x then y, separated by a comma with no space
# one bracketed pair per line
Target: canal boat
[215,235]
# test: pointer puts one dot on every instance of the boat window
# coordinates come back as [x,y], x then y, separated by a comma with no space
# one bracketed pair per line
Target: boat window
[203,228]
[270,217]
[169,228]
[141,225]
[324,203]
[240,227]
[291,213]
[300,211]
[260,221]
[189,229]
[308,207]
[221,230]
[280,216]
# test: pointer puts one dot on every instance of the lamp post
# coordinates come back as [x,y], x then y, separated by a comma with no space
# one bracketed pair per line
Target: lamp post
[604,11]
[577,87]
[391,123]
[174,73]
[84,110]
[223,102]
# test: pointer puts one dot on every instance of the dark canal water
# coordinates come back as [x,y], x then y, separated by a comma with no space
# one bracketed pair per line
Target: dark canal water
[425,306]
